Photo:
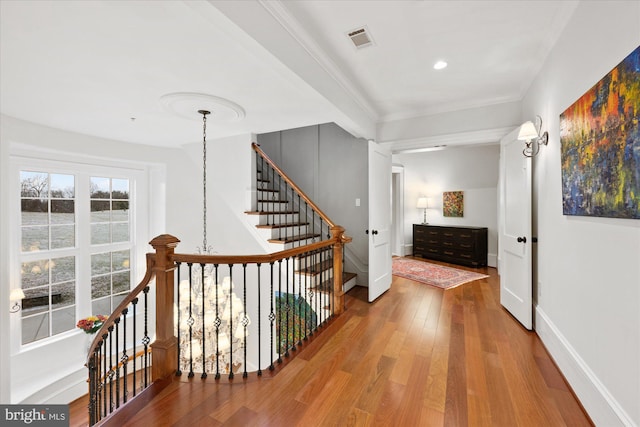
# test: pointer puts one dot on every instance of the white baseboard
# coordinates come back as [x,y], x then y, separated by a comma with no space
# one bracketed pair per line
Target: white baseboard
[601,406]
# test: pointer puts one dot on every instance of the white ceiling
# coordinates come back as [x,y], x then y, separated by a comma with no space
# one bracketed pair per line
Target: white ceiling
[91,66]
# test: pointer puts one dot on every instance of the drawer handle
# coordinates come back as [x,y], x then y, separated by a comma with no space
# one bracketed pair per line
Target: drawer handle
[465,256]
[433,241]
[465,235]
[433,232]
[433,251]
[447,244]
[448,253]
[465,246]
[448,234]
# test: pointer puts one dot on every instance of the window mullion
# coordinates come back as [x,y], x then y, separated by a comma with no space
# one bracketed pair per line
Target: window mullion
[83,242]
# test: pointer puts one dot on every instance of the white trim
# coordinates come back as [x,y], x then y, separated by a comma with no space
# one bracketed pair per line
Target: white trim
[601,406]
[486,136]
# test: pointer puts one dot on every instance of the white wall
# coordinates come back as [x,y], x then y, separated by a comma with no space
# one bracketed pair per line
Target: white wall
[473,170]
[588,269]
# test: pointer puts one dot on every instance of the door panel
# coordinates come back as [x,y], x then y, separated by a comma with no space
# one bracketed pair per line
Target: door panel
[379,220]
[515,230]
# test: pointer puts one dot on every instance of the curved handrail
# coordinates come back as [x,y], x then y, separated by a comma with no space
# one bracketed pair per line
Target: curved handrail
[289,181]
[104,329]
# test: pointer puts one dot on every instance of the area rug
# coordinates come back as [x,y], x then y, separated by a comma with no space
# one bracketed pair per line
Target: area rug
[433,274]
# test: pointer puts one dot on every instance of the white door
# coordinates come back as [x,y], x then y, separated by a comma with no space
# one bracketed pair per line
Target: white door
[515,230]
[379,220]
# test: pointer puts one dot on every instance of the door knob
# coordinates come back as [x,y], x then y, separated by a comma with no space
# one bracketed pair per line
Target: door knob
[366,231]
[522,240]
[374,231]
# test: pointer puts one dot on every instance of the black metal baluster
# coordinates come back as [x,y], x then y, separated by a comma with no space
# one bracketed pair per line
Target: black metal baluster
[204,359]
[145,338]
[217,323]
[125,357]
[287,308]
[116,321]
[134,302]
[110,329]
[190,320]
[230,321]
[259,323]
[259,177]
[244,317]
[104,375]
[279,327]
[300,304]
[272,210]
[272,316]
[310,294]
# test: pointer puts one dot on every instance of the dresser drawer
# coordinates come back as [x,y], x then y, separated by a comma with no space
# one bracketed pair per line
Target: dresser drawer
[458,245]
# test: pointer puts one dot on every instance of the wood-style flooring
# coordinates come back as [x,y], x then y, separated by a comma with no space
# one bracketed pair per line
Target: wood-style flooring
[417,356]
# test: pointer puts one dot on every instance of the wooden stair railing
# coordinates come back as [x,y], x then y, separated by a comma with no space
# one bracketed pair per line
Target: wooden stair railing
[285,208]
[117,382]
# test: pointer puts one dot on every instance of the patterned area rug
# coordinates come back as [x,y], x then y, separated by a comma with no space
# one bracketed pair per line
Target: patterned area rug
[433,274]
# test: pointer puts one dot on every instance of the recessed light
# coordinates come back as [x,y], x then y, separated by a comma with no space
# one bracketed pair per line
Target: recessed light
[439,65]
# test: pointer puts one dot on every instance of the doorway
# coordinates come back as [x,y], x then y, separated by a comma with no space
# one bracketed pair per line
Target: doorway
[397,210]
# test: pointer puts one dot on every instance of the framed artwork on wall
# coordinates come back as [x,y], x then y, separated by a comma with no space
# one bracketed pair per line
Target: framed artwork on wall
[453,203]
[600,146]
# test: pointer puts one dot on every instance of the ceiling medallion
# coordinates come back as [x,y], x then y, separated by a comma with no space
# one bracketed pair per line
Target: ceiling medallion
[187,105]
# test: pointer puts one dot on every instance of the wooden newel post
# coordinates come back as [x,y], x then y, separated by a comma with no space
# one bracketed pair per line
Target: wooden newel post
[337,233]
[164,348]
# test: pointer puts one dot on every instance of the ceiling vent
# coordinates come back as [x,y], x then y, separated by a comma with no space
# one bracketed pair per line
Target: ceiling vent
[360,37]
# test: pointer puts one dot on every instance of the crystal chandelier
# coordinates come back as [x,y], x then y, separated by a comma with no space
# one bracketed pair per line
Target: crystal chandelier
[211,324]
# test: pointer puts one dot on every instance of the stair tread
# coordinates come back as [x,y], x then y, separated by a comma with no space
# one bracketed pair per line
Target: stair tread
[268,190]
[317,268]
[287,224]
[327,285]
[295,238]
[272,201]
[348,276]
[271,212]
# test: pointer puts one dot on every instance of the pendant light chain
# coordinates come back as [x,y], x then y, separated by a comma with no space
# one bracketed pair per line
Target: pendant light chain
[204,113]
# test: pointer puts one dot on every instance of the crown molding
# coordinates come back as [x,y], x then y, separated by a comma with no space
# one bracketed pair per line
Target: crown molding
[282,15]
[486,136]
[448,108]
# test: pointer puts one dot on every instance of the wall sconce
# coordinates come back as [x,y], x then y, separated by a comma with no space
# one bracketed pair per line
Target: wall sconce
[532,138]
[16,296]
[423,203]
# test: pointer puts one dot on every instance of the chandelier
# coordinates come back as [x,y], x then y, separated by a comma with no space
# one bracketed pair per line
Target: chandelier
[211,324]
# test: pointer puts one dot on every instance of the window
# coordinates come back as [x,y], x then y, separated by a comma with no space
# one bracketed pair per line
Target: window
[110,272]
[76,245]
[47,212]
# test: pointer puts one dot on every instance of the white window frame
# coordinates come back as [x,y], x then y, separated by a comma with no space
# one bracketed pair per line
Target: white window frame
[139,177]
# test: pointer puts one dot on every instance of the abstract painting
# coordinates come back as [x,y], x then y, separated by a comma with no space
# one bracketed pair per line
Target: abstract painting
[453,203]
[600,146]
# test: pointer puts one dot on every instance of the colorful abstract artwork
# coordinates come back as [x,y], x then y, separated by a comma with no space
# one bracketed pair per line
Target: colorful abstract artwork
[600,146]
[453,203]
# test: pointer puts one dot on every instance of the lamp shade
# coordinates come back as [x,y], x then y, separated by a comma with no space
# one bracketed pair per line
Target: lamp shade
[422,203]
[527,132]
[16,294]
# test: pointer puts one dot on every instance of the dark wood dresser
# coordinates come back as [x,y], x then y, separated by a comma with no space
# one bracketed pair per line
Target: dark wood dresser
[457,245]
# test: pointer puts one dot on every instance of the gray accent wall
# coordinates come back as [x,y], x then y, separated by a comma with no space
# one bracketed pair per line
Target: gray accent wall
[330,166]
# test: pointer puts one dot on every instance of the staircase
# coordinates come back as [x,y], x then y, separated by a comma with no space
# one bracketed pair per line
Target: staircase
[287,219]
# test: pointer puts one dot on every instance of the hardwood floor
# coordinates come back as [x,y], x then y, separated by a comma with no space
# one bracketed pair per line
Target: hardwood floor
[418,356]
